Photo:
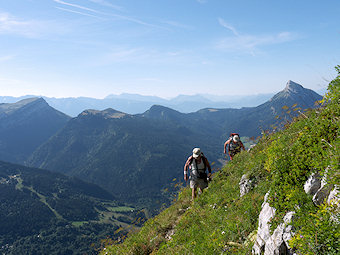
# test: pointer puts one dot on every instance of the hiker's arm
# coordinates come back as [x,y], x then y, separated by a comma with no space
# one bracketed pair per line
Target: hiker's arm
[186,169]
[208,165]
[225,146]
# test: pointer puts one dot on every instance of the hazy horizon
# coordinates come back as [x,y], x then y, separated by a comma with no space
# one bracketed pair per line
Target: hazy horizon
[212,97]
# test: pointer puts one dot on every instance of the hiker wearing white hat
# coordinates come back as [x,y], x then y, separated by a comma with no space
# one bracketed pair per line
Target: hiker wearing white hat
[234,145]
[197,163]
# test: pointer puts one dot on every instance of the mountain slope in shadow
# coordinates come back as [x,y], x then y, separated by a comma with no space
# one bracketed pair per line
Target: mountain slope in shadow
[25,125]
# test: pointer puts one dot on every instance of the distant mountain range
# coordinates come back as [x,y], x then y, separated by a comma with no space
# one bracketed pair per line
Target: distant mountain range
[137,156]
[134,104]
[248,121]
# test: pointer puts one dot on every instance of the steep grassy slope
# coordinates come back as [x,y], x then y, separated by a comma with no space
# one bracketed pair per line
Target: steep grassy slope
[221,222]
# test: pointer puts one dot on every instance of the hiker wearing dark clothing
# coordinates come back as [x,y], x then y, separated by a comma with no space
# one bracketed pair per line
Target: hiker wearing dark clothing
[234,145]
[197,164]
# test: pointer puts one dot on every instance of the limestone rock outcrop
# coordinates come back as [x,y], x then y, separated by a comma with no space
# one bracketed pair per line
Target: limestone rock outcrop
[317,187]
[246,184]
[277,242]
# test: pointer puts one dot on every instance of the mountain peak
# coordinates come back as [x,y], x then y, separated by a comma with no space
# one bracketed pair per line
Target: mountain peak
[157,107]
[293,87]
[12,107]
[160,110]
[106,114]
[295,93]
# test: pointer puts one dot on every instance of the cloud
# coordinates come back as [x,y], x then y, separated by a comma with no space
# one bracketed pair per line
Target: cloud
[106,15]
[6,58]
[177,24]
[12,25]
[76,6]
[118,55]
[250,43]
[133,56]
[140,56]
[123,55]
[77,12]
[137,21]
[226,25]
[106,3]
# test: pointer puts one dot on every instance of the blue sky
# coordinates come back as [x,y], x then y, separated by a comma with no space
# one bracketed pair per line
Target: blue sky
[71,48]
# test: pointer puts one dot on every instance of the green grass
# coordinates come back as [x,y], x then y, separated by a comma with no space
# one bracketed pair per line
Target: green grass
[219,221]
[79,223]
[121,209]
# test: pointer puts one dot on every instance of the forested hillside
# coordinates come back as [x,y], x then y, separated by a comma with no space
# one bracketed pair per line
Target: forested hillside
[228,218]
[132,157]
[42,212]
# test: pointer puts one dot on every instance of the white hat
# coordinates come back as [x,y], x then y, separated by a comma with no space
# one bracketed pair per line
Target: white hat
[236,138]
[196,152]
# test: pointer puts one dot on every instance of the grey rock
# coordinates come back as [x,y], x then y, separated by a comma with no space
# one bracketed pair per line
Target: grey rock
[246,184]
[323,192]
[276,243]
[318,188]
[169,234]
[333,196]
[334,199]
[263,231]
[313,184]
[251,147]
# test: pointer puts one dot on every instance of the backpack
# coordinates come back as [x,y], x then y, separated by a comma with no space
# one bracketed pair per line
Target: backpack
[233,148]
[233,134]
[202,175]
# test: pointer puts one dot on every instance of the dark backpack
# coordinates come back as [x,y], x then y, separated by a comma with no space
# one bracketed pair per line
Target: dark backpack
[232,136]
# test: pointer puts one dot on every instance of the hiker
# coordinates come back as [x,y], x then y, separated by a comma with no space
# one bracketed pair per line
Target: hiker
[197,163]
[234,145]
